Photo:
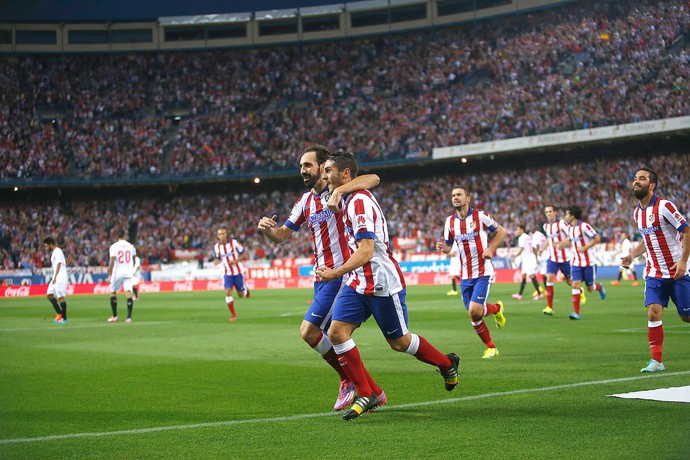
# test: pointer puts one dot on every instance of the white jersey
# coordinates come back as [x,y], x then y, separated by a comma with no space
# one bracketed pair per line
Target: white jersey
[539,241]
[58,257]
[122,252]
[454,257]
[529,260]
[137,269]
[363,218]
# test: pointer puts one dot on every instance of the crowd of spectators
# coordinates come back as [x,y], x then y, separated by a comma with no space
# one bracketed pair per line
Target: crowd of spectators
[415,208]
[582,65]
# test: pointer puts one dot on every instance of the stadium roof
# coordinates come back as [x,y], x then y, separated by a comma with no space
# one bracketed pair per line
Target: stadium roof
[133,10]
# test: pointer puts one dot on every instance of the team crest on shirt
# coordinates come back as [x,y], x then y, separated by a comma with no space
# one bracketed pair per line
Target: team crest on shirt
[471,225]
[650,218]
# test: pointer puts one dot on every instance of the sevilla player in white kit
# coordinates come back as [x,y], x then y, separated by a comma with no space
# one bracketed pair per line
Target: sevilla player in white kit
[528,252]
[330,250]
[57,288]
[666,241]
[120,273]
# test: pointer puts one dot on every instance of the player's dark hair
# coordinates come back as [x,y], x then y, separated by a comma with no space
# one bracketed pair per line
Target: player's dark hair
[524,229]
[120,232]
[549,205]
[653,176]
[575,211]
[345,160]
[322,153]
[49,240]
[462,187]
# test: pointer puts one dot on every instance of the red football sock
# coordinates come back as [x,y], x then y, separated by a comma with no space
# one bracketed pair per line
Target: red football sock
[483,333]
[549,296]
[332,358]
[427,353]
[351,362]
[231,307]
[655,334]
[492,309]
[598,287]
[576,300]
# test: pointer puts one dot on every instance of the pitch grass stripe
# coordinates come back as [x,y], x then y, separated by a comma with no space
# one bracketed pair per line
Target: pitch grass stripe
[330,414]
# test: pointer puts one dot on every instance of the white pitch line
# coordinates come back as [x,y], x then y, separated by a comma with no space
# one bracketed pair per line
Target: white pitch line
[330,414]
[666,329]
[68,326]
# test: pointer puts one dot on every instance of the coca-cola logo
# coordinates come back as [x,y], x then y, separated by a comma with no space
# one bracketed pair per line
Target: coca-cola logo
[183,286]
[101,288]
[412,279]
[150,287]
[440,278]
[214,286]
[276,284]
[19,291]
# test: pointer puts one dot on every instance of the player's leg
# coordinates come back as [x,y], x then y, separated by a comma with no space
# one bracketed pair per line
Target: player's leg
[591,282]
[349,312]
[475,293]
[240,286]
[391,316]
[551,271]
[576,292]
[522,287]
[127,286]
[50,295]
[229,300]
[314,330]
[657,293]
[535,283]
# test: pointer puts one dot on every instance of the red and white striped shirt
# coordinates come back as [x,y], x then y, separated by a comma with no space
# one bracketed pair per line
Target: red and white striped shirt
[660,224]
[557,232]
[231,250]
[363,218]
[581,234]
[326,228]
[472,237]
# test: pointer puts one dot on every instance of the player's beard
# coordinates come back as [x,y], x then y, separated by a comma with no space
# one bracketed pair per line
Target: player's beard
[641,192]
[310,180]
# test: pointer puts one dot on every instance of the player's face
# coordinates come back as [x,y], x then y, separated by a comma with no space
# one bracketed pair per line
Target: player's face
[550,214]
[569,217]
[310,170]
[333,175]
[460,198]
[222,235]
[641,184]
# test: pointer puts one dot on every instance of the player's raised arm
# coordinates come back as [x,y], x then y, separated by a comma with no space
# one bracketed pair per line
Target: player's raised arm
[364,182]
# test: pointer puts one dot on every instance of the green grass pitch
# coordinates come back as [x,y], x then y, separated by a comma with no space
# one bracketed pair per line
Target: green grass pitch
[183,382]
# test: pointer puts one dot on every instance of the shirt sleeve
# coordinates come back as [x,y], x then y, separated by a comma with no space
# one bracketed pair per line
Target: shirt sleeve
[673,216]
[488,221]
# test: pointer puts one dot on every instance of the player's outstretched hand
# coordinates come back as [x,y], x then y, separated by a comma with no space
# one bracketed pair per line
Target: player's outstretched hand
[268,222]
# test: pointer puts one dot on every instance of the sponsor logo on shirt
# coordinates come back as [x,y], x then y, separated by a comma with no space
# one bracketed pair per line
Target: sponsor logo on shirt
[319,217]
[466,236]
[649,230]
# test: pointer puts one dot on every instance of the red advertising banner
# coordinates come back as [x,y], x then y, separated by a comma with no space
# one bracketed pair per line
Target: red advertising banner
[412,279]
